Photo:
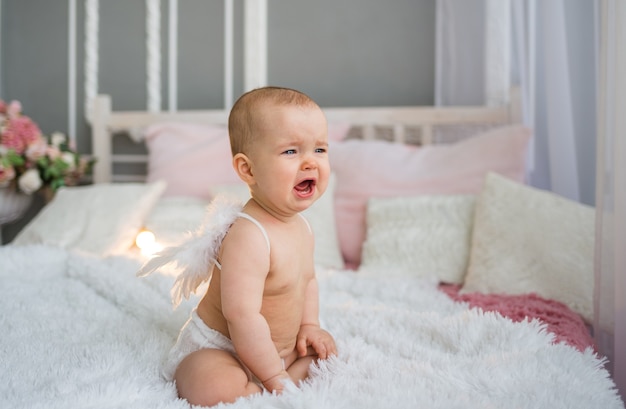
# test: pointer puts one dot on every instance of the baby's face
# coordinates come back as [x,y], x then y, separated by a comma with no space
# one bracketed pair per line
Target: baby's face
[290,157]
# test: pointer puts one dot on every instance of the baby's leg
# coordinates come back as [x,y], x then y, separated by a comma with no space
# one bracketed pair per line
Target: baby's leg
[209,376]
[299,370]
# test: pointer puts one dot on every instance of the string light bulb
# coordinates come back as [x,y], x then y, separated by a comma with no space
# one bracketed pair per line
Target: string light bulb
[146,242]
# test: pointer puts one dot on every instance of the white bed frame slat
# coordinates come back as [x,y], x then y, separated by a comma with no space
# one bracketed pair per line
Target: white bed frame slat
[397,120]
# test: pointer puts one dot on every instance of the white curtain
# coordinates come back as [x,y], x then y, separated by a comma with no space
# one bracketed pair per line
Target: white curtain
[535,52]
[460,52]
[610,266]
[559,104]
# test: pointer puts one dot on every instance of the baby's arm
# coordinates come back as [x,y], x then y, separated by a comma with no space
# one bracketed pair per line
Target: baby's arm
[311,334]
[245,263]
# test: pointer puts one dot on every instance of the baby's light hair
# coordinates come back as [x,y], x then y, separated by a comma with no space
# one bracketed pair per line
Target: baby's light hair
[243,116]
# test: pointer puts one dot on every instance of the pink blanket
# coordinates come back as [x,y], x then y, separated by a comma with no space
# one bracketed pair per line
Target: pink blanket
[564,323]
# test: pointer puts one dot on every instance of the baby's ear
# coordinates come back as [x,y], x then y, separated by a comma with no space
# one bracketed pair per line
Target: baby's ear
[243,167]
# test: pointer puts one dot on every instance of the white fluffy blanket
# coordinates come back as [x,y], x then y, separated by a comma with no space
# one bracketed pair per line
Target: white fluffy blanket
[83,332]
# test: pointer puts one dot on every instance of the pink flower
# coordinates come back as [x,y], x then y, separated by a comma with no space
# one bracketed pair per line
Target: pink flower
[36,150]
[19,132]
[53,152]
[14,109]
[7,174]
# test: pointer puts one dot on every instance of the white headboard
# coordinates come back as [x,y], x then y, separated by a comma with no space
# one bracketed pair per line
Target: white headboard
[418,125]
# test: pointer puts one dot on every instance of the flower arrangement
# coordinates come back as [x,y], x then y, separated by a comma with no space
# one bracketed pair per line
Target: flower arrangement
[31,161]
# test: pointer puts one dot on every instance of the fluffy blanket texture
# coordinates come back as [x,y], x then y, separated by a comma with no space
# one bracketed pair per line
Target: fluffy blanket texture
[565,324]
[84,332]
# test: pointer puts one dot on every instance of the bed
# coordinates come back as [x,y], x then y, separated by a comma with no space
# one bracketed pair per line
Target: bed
[446,281]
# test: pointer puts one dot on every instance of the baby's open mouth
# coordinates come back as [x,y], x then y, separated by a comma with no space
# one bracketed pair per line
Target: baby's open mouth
[305,187]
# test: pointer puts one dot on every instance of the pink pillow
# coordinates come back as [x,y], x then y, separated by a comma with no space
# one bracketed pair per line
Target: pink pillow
[191,158]
[367,169]
[337,131]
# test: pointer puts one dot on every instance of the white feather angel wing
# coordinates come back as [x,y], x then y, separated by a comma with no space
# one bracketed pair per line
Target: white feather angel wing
[196,256]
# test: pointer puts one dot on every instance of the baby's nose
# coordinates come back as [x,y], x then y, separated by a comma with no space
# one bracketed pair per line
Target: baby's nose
[308,162]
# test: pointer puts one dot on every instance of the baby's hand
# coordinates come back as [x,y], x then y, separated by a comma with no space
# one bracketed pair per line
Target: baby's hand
[320,340]
[277,382]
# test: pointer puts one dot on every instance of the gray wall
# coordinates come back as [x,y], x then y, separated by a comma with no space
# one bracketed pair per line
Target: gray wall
[354,52]
[33,58]
[382,54]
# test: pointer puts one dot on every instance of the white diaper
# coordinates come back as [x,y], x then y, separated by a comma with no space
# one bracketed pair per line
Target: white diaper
[194,335]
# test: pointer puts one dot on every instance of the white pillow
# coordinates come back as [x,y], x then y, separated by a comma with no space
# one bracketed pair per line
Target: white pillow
[426,236]
[321,217]
[526,240]
[102,219]
[174,217]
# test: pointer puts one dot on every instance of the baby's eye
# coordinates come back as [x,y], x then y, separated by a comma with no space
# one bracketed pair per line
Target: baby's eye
[289,152]
[320,150]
